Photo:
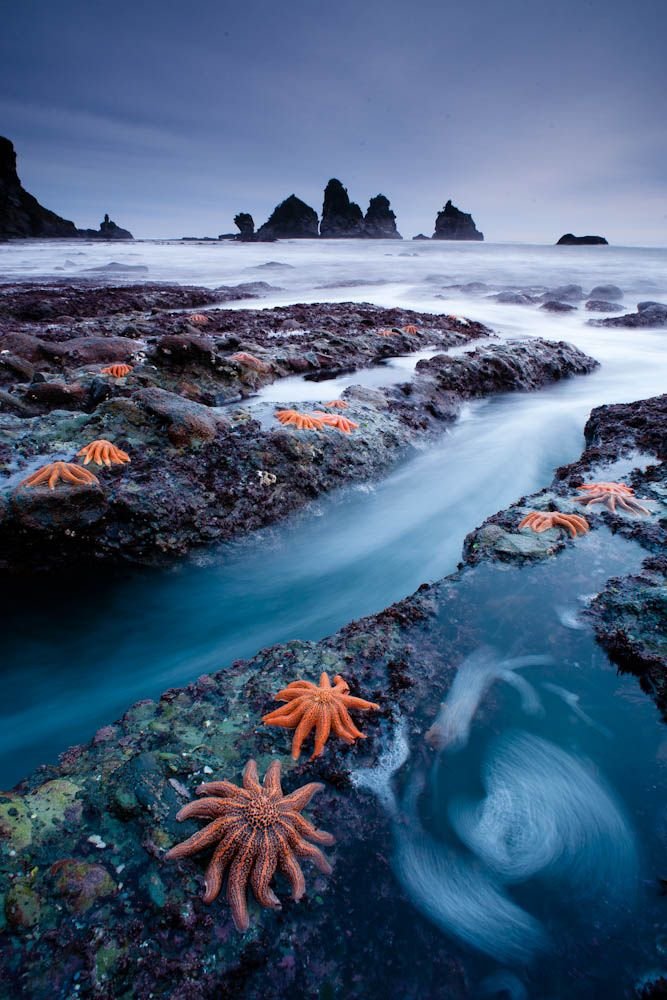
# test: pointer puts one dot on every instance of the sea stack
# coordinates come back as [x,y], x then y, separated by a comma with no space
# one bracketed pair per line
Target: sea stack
[569,240]
[246,224]
[108,231]
[452,224]
[291,219]
[380,221]
[341,217]
[21,215]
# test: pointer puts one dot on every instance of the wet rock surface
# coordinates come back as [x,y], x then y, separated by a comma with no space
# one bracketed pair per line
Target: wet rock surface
[197,456]
[90,903]
[453,224]
[648,314]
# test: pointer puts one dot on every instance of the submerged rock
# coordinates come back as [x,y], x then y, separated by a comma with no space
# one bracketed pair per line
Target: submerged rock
[648,314]
[452,224]
[570,240]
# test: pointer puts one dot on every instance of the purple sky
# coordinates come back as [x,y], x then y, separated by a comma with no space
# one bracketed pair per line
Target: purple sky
[538,116]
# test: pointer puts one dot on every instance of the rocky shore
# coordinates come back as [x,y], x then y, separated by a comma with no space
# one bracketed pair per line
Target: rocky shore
[205,465]
[91,907]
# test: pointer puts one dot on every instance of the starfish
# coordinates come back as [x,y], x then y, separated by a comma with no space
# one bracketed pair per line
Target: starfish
[539,520]
[103,452]
[198,319]
[387,333]
[611,494]
[250,361]
[323,708]
[410,328]
[118,371]
[336,420]
[337,404]
[302,421]
[66,472]
[256,829]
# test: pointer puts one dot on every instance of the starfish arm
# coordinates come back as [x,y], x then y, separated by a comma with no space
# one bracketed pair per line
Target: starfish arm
[272,780]
[322,730]
[325,683]
[221,858]
[222,789]
[299,799]
[263,871]
[294,698]
[572,521]
[611,503]
[37,478]
[339,727]
[203,809]
[290,867]
[250,777]
[105,454]
[307,830]
[347,723]
[210,834]
[364,706]
[53,478]
[341,685]
[309,851]
[570,528]
[592,499]
[307,723]
[237,883]
[290,721]
[633,506]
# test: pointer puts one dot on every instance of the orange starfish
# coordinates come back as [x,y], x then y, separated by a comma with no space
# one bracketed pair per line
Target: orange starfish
[323,708]
[250,361]
[118,371]
[256,829]
[539,520]
[302,421]
[103,452]
[337,404]
[611,494]
[198,319]
[387,333]
[55,472]
[336,420]
[410,328]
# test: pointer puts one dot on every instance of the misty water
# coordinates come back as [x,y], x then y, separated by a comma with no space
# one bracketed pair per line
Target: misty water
[74,660]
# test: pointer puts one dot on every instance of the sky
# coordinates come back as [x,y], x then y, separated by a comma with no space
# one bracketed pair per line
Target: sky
[539,117]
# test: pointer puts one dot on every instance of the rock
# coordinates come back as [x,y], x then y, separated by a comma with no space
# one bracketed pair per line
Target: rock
[606,292]
[246,225]
[565,293]
[81,883]
[452,224]
[514,298]
[380,221]
[21,215]
[341,217]
[552,305]
[115,267]
[57,395]
[291,219]
[22,905]
[602,306]
[108,231]
[569,240]
[188,423]
[65,509]
[91,350]
[648,314]
[420,236]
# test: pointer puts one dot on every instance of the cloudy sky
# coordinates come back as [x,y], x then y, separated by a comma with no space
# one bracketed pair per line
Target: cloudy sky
[538,116]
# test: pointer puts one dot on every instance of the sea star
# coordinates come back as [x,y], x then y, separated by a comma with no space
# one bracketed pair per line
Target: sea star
[323,708]
[198,319]
[250,361]
[337,404]
[611,494]
[103,452]
[410,328]
[336,420]
[256,829]
[56,471]
[539,520]
[302,421]
[118,371]
[387,333]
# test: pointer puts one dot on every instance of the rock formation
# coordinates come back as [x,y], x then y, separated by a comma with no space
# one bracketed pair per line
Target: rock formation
[246,224]
[340,216]
[22,215]
[380,221]
[452,224]
[569,240]
[108,231]
[291,219]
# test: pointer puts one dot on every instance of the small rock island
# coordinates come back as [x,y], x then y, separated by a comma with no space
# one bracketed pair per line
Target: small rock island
[570,240]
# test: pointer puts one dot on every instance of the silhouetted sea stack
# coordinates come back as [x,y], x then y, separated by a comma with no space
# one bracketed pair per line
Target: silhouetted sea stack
[291,219]
[108,231]
[380,221]
[22,215]
[340,216]
[246,224]
[569,240]
[452,224]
